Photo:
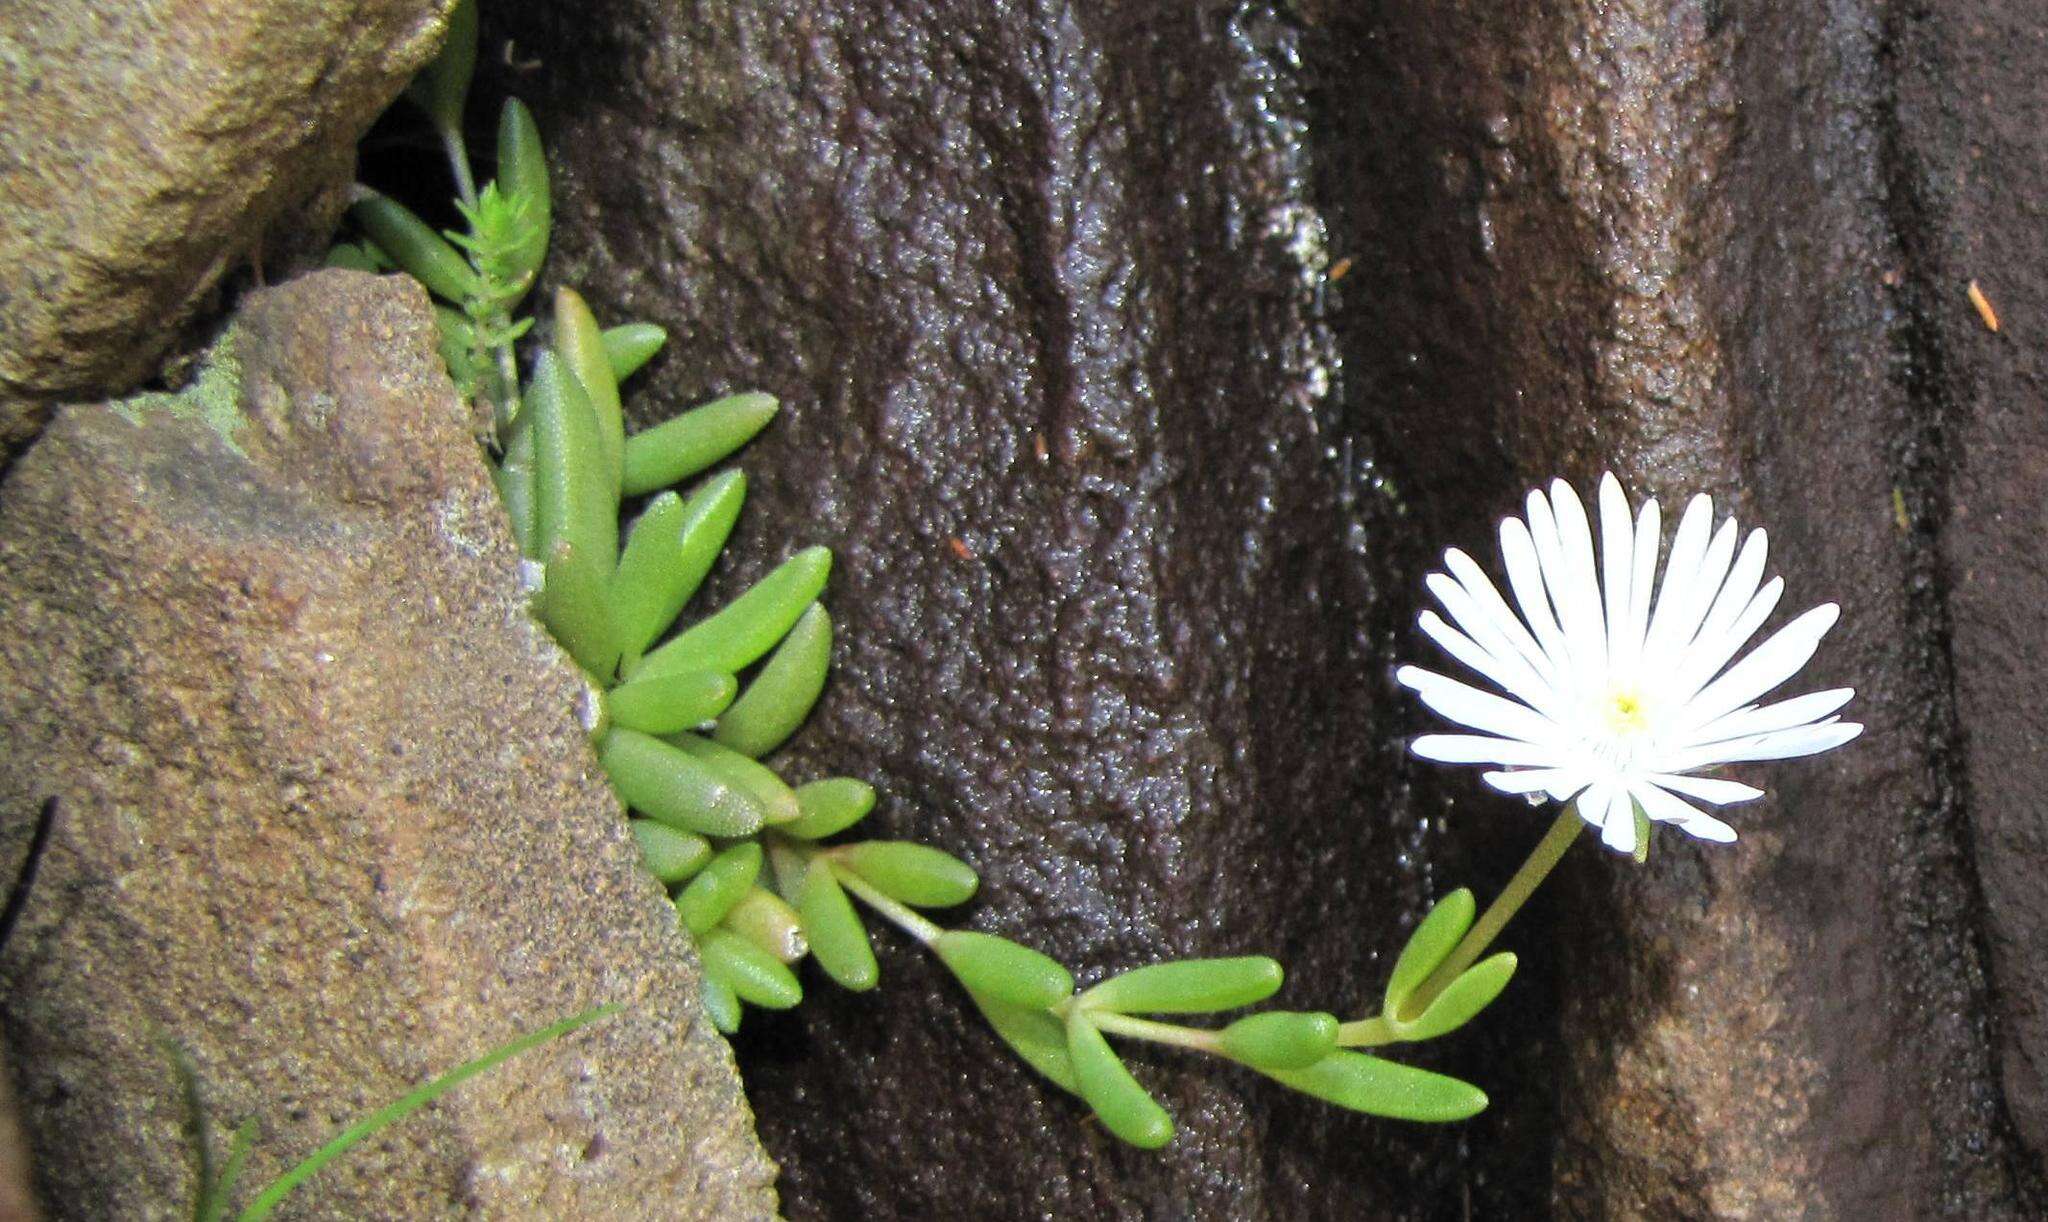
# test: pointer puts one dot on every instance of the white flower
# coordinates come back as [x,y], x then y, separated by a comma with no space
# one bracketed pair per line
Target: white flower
[1610,700]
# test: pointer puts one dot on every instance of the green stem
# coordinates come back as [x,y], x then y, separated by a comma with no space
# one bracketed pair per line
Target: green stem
[1366,1033]
[899,915]
[1157,1032]
[1542,859]
[458,161]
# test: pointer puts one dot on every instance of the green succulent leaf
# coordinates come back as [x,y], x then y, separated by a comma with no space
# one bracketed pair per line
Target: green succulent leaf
[414,246]
[666,783]
[670,704]
[1378,1087]
[514,478]
[573,496]
[673,856]
[354,257]
[1462,999]
[523,173]
[1431,943]
[721,1004]
[1034,1035]
[839,941]
[573,607]
[719,886]
[693,441]
[1116,1097]
[1003,970]
[758,977]
[914,874]
[669,550]
[631,345]
[1188,986]
[750,625]
[770,792]
[830,807]
[766,919]
[782,694]
[442,88]
[580,344]
[1281,1039]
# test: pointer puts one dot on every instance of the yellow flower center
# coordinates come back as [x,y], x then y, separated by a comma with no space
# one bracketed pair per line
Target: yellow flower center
[1627,714]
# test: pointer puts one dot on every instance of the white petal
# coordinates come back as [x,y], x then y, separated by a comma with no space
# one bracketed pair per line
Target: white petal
[1617,560]
[1649,538]
[1489,612]
[1480,710]
[1560,783]
[1780,745]
[1575,583]
[1664,808]
[1705,588]
[1768,665]
[1712,790]
[1735,598]
[1511,673]
[1752,720]
[1479,749]
[1617,833]
[1525,577]
[1706,657]
[1688,549]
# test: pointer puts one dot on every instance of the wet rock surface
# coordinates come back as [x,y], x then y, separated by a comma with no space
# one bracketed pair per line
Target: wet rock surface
[1138,357]
[327,817]
[146,149]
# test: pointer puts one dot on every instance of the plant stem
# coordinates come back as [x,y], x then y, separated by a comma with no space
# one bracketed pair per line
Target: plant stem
[1158,1033]
[899,915]
[1366,1033]
[458,161]
[1542,859]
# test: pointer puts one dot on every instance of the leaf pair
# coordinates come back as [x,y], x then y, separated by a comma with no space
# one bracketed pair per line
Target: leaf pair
[1411,1017]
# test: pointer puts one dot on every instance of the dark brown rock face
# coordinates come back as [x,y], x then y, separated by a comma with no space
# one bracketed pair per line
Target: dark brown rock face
[145,150]
[1139,356]
[328,818]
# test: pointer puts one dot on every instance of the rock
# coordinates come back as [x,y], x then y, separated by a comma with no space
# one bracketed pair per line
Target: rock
[148,148]
[1196,250]
[1108,580]
[329,820]
[1668,242]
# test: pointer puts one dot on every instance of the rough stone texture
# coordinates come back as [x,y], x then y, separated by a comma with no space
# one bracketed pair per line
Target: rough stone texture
[329,819]
[1293,296]
[147,146]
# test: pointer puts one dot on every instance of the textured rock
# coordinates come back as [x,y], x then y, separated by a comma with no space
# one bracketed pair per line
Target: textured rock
[145,149]
[329,819]
[1293,296]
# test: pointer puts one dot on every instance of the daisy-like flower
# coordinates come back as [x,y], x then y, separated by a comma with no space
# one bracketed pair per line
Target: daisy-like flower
[1614,700]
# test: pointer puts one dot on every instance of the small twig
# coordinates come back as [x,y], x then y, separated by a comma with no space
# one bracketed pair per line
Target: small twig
[17,899]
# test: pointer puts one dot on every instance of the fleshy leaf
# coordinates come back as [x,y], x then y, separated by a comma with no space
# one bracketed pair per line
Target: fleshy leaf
[914,874]
[666,783]
[670,704]
[781,695]
[1431,943]
[1124,1106]
[830,806]
[1281,1039]
[749,625]
[1188,986]
[839,941]
[673,856]
[770,792]
[693,441]
[718,886]
[1384,1088]
[1033,1034]
[1003,970]
[631,345]
[668,551]
[758,977]
[1462,999]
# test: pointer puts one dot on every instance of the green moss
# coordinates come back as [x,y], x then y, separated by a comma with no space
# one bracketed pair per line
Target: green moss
[214,397]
